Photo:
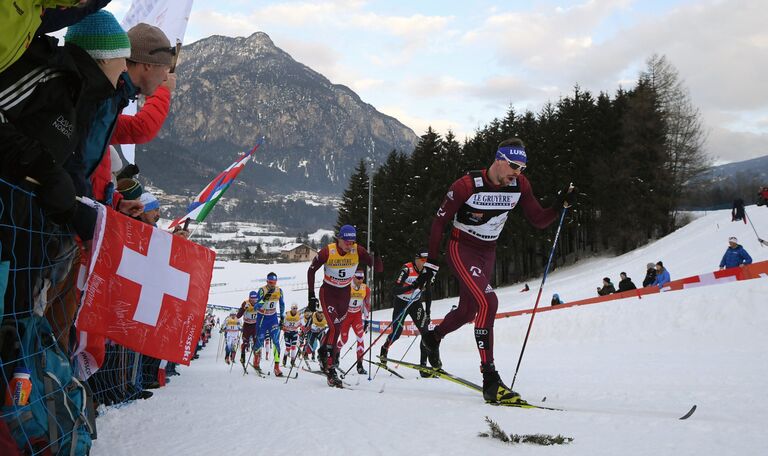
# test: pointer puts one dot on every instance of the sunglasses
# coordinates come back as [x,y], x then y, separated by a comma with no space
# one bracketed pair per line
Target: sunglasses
[516,166]
[170,50]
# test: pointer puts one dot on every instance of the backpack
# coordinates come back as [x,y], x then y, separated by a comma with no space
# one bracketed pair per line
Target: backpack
[55,418]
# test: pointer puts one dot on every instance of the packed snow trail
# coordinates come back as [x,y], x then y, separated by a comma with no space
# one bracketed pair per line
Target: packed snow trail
[625,371]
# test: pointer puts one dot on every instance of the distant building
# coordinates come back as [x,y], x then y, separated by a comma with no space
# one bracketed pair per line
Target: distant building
[297,252]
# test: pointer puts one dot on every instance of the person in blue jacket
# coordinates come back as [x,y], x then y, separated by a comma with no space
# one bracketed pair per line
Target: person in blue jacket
[662,275]
[735,255]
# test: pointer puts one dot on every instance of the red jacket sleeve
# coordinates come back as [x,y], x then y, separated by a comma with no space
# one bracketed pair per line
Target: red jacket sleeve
[458,193]
[319,260]
[144,126]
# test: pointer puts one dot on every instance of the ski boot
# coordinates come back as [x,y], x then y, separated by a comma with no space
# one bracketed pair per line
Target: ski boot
[242,358]
[293,362]
[360,369]
[333,378]
[226,360]
[322,358]
[423,363]
[494,390]
[257,362]
[431,345]
[383,353]
[278,372]
[285,359]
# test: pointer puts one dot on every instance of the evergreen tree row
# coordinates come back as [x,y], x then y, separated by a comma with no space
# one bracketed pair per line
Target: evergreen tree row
[622,153]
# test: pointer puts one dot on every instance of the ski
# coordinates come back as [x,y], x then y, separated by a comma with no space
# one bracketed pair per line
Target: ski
[440,373]
[322,374]
[388,369]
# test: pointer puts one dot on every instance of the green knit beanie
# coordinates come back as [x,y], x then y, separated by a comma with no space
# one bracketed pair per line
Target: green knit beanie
[100,35]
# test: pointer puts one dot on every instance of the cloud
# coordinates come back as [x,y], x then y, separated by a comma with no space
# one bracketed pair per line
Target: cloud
[725,145]
[420,124]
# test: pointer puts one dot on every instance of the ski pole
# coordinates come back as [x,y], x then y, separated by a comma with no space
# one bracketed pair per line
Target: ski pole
[293,359]
[538,297]
[383,332]
[221,346]
[237,345]
[762,242]
[347,352]
[400,321]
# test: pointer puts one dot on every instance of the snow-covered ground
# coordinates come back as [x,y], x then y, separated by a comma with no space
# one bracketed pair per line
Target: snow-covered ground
[624,370]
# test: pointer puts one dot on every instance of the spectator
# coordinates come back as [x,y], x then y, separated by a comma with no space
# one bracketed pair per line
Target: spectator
[148,75]
[607,289]
[762,196]
[20,19]
[556,301]
[737,212]
[735,255]
[626,284]
[650,275]
[662,275]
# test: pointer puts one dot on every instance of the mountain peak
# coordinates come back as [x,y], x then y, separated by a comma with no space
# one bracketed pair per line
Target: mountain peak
[231,91]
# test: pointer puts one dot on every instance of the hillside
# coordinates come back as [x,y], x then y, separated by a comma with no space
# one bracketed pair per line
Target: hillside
[624,370]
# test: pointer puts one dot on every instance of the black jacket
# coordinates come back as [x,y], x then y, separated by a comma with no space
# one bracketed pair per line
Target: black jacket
[40,125]
[650,277]
[606,290]
[626,285]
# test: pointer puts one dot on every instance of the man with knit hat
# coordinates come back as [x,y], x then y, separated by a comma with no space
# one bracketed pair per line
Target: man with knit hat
[148,75]
[477,205]
[101,36]
[735,255]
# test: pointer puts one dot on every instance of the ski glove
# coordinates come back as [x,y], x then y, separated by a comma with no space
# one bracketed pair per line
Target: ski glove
[568,197]
[365,326]
[428,273]
[312,302]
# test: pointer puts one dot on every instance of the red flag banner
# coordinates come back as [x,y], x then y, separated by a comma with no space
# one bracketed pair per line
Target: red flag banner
[147,289]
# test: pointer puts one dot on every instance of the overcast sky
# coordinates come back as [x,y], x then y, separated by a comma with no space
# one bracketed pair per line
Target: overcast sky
[458,64]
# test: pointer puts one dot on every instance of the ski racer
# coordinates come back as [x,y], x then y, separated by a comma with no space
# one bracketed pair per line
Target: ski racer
[405,292]
[358,311]
[268,320]
[291,329]
[478,205]
[248,313]
[317,330]
[340,260]
[231,330]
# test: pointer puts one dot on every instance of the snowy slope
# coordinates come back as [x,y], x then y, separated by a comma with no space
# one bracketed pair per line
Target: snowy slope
[625,371]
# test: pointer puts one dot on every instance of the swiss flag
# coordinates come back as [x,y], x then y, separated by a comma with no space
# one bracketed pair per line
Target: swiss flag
[147,289]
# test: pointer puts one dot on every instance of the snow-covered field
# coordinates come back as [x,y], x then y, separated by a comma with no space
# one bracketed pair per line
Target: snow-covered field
[624,370]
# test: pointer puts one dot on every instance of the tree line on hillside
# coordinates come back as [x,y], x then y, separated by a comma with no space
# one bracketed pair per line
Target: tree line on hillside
[628,154]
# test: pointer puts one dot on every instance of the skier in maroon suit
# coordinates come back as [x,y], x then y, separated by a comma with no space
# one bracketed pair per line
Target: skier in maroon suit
[478,204]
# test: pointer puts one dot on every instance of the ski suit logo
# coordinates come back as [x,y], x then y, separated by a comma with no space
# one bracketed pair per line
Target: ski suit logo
[476,272]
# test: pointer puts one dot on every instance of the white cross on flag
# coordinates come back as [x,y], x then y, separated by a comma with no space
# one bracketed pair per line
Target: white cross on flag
[147,289]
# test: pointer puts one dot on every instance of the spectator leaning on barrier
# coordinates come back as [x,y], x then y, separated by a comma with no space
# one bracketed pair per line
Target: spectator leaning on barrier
[556,301]
[662,275]
[48,99]
[625,284]
[607,289]
[650,275]
[735,255]
[148,75]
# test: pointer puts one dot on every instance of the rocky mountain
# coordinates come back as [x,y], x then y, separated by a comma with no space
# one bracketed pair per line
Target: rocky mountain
[233,90]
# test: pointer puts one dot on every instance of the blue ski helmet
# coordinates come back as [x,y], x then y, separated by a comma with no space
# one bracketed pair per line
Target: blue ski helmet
[348,233]
[253,295]
[271,277]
